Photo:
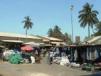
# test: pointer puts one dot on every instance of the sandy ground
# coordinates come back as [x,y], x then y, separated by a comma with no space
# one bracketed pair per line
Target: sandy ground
[43,69]
[7,69]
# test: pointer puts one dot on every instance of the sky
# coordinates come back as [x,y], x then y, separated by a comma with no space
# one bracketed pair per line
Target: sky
[45,14]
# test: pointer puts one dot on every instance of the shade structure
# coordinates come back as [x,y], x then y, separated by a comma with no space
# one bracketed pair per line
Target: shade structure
[27,48]
[13,41]
[33,44]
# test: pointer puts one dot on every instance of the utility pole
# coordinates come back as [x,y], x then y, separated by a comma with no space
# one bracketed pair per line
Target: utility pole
[71,9]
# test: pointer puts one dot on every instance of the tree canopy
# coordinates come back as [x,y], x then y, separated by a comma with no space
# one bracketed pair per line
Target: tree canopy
[88,17]
[56,32]
[98,29]
[27,23]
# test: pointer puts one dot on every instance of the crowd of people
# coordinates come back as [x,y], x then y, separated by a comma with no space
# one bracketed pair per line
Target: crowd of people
[54,54]
[61,55]
[58,55]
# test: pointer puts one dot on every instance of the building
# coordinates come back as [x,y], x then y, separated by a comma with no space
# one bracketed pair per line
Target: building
[94,41]
[53,41]
[17,38]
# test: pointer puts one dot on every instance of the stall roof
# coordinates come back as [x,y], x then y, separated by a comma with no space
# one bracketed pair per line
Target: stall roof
[59,43]
[98,45]
[52,38]
[15,41]
[94,39]
[5,34]
[33,43]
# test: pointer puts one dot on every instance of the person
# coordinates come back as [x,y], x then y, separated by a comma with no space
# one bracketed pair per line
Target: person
[44,52]
[51,54]
[32,59]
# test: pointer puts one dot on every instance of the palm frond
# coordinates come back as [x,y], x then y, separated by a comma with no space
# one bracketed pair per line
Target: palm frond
[88,16]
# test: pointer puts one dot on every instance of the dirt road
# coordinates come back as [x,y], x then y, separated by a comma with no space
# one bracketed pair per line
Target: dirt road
[7,69]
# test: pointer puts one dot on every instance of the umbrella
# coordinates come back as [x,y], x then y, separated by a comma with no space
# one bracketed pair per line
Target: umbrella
[27,48]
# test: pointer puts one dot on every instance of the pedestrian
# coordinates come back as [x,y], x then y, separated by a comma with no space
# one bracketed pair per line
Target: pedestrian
[32,59]
[51,55]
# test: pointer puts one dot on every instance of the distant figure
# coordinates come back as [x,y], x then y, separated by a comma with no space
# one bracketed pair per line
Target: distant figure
[36,52]
[51,55]
[44,52]
[32,59]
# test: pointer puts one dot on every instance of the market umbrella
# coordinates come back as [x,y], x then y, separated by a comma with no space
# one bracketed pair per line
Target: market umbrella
[27,48]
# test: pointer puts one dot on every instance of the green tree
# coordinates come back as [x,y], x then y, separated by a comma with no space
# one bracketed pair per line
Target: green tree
[98,29]
[67,38]
[57,32]
[50,32]
[27,24]
[88,17]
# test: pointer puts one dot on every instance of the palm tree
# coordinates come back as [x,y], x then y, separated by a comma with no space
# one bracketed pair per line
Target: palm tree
[88,17]
[27,24]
